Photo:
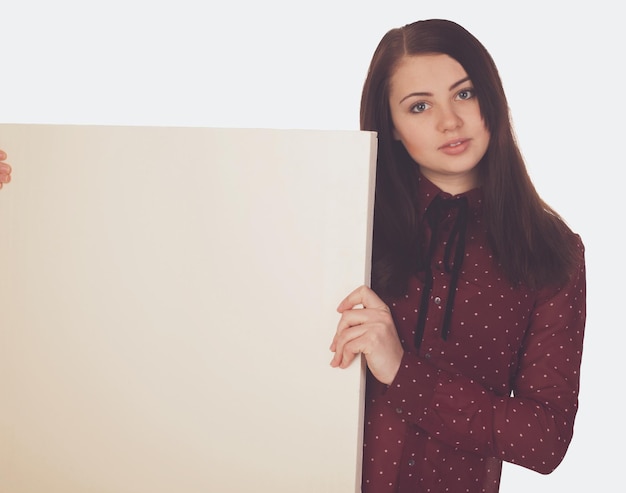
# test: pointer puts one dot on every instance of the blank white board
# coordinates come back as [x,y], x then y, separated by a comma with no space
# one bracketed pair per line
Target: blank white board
[167,301]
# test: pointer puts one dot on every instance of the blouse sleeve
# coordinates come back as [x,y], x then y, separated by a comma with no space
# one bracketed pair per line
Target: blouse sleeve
[533,427]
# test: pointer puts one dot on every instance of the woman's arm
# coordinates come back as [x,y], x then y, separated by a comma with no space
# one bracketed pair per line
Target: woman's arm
[534,426]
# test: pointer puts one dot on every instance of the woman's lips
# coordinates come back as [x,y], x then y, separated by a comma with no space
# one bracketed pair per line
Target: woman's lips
[454,147]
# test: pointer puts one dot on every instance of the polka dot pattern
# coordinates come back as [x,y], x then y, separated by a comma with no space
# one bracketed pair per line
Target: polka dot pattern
[502,387]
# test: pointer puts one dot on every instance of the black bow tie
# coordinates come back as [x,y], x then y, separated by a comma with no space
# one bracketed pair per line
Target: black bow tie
[453,257]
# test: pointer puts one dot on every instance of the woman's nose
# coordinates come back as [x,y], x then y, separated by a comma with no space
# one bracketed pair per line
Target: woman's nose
[448,119]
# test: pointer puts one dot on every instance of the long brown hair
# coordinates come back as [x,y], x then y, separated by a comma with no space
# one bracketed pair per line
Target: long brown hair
[530,240]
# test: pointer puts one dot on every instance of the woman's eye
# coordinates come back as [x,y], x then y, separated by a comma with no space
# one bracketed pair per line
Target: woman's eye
[466,94]
[419,107]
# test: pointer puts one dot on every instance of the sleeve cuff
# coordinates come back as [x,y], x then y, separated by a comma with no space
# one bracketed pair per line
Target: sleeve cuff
[412,391]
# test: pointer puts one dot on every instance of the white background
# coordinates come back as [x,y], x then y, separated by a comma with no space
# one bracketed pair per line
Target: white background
[279,64]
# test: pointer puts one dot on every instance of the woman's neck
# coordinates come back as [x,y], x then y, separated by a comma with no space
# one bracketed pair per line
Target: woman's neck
[453,183]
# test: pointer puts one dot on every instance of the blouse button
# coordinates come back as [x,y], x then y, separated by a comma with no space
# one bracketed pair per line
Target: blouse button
[399,410]
[411,462]
[437,300]
[427,356]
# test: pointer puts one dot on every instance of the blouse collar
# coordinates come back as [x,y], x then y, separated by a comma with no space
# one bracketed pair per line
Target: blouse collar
[427,191]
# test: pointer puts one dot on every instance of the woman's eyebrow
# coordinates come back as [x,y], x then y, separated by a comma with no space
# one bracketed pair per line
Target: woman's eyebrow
[416,94]
[456,84]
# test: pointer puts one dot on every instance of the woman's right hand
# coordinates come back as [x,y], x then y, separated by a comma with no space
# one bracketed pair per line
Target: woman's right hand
[5,169]
[366,326]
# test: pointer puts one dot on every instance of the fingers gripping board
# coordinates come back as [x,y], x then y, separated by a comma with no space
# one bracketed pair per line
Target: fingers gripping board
[167,302]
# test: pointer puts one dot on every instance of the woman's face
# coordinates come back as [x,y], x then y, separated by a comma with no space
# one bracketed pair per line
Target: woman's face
[436,116]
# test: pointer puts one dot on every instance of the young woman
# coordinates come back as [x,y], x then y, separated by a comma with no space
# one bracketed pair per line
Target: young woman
[5,169]
[473,328]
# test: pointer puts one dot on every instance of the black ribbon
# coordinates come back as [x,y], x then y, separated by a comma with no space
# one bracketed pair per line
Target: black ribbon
[454,253]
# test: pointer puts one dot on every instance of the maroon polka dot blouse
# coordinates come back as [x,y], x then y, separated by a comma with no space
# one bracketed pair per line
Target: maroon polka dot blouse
[498,381]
